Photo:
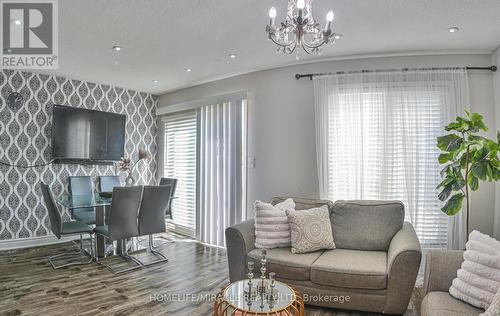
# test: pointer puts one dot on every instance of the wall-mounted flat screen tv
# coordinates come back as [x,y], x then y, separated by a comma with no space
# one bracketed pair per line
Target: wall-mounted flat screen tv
[82,135]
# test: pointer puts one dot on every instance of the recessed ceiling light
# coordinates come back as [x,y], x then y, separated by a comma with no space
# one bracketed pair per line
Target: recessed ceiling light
[117,48]
[453,29]
[337,36]
[17,22]
[232,56]
[155,81]
[189,69]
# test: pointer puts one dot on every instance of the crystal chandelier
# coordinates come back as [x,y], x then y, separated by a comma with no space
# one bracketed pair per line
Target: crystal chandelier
[300,29]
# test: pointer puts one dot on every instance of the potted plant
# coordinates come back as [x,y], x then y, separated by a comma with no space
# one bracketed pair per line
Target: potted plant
[468,159]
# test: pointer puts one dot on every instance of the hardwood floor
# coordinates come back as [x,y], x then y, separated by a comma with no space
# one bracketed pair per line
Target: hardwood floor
[182,286]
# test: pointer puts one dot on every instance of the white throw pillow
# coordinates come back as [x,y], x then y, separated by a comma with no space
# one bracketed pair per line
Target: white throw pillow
[271,224]
[478,280]
[494,309]
[311,230]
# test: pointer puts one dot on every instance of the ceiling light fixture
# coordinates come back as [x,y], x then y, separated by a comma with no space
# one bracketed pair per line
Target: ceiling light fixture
[453,29]
[232,56]
[189,69]
[17,22]
[300,29]
[117,48]
[155,81]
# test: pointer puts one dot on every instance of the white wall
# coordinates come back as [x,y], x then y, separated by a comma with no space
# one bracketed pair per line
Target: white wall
[281,122]
[496,84]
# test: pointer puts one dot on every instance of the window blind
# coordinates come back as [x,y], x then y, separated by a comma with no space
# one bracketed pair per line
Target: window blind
[180,140]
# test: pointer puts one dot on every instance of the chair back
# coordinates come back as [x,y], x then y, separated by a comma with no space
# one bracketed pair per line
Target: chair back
[80,185]
[108,183]
[54,216]
[172,182]
[122,221]
[152,212]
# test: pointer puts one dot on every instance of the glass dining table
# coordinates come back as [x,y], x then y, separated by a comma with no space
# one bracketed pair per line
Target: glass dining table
[95,201]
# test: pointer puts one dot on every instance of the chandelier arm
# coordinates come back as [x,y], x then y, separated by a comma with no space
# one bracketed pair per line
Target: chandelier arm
[325,41]
[271,36]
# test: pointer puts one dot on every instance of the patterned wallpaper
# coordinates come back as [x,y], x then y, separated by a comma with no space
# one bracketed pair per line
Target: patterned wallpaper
[25,140]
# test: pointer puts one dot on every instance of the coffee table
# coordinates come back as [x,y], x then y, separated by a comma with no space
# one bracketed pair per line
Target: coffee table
[233,300]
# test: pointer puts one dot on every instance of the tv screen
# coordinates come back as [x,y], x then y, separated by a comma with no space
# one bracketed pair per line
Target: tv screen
[86,135]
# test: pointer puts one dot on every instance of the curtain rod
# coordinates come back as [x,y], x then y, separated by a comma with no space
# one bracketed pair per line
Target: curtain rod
[310,76]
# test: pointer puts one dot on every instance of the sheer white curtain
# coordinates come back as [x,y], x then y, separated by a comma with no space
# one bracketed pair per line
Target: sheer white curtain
[221,169]
[376,139]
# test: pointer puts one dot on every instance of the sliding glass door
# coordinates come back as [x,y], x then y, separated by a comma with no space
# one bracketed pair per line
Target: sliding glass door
[205,149]
[179,162]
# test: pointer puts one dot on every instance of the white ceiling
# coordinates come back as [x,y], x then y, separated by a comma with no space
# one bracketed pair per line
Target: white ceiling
[161,38]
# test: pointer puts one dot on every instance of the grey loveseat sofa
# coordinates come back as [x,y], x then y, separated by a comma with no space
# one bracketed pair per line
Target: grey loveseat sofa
[440,269]
[374,267]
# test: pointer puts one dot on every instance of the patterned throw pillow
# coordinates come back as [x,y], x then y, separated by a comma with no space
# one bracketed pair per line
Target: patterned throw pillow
[311,230]
[494,309]
[271,224]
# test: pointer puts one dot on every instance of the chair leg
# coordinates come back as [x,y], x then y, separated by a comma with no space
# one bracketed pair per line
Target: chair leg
[151,248]
[69,255]
[125,256]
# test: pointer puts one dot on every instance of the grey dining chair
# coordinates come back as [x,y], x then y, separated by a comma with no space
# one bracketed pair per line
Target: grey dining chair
[152,215]
[82,185]
[60,229]
[107,183]
[122,223]
[173,183]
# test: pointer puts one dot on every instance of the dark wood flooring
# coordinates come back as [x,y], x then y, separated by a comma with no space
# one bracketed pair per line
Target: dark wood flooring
[182,286]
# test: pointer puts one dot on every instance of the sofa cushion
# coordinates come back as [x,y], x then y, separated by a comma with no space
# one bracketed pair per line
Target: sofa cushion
[285,264]
[351,269]
[443,304]
[305,204]
[366,225]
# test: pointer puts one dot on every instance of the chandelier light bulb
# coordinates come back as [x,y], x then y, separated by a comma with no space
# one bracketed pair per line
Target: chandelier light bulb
[301,4]
[272,12]
[329,16]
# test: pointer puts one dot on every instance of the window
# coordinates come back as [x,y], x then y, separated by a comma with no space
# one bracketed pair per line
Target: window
[180,134]
[376,140]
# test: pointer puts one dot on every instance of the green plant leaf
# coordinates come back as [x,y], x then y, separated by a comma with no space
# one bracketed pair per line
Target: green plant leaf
[480,154]
[445,193]
[477,122]
[480,169]
[449,143]
[444,158]
[454,205]
[473,182]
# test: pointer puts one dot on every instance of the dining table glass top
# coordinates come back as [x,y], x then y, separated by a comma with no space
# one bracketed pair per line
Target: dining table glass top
[82,201]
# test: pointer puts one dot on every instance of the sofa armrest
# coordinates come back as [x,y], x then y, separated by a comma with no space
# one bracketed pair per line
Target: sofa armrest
[240,240]
[441,268]
[403,262]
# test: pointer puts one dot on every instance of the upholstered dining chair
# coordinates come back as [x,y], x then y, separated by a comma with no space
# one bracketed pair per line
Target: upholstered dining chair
[107,183]
[60,229]
[152,215]
[82,185]
[173,183]
[122,223]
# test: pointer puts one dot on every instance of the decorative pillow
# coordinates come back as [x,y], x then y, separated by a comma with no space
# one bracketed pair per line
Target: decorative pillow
[478,280]
[311,230]
[271,224]
[494,309]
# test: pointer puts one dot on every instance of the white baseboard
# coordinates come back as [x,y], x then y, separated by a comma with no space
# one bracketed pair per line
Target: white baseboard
[34,242]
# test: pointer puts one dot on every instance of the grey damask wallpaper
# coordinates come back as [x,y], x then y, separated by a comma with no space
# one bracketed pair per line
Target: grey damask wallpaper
[25,136]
